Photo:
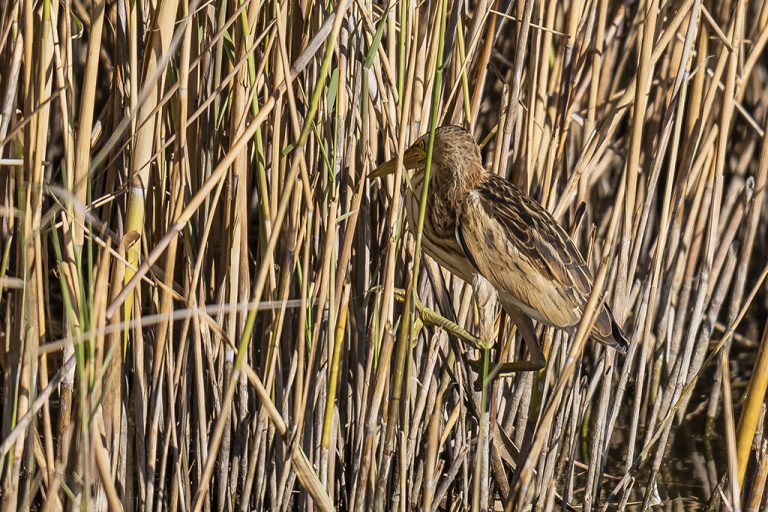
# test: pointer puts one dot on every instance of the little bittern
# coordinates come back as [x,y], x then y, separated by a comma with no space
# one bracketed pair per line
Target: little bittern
[480,226]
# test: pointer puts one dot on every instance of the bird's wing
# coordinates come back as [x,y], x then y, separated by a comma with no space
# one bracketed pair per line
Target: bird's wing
[519,247]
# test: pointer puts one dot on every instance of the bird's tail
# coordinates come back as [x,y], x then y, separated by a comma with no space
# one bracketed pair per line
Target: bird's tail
[608,332]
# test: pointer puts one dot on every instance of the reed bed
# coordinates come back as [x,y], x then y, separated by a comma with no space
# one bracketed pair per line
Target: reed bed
[199,286]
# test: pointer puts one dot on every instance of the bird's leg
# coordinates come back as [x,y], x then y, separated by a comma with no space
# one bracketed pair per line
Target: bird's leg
[485,296]
[432,318]
[537,361]
[435,319]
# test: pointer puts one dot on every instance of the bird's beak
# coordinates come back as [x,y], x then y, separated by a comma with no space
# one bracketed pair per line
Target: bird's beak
[414,157]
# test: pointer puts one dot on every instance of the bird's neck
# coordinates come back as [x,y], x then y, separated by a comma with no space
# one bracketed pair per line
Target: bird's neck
[454,186]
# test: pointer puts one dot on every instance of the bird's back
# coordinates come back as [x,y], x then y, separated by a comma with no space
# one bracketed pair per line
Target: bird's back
[521,249]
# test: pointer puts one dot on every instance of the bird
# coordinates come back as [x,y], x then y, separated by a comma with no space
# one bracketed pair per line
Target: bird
[484,229]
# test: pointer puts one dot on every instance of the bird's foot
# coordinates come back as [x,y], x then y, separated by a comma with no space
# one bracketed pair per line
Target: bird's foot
[434,319]
[502,370]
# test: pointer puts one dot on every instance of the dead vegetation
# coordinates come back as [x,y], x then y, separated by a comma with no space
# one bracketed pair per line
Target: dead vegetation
[197,282]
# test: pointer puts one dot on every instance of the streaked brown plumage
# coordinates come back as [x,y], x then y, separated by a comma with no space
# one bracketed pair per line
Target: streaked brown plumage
[479,224]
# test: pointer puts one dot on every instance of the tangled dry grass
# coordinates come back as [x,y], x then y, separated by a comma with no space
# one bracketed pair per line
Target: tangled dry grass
[197,282]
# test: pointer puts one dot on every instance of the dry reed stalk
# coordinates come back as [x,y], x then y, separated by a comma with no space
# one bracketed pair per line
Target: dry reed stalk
[199,288]
[752,407]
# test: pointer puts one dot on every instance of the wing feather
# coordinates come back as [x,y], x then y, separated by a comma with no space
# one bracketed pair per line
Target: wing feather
[519,247]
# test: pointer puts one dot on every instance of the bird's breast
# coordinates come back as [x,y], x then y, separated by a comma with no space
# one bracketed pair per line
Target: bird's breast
[438,235]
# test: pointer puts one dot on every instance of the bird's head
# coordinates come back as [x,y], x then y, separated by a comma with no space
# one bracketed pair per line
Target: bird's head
[455,155]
